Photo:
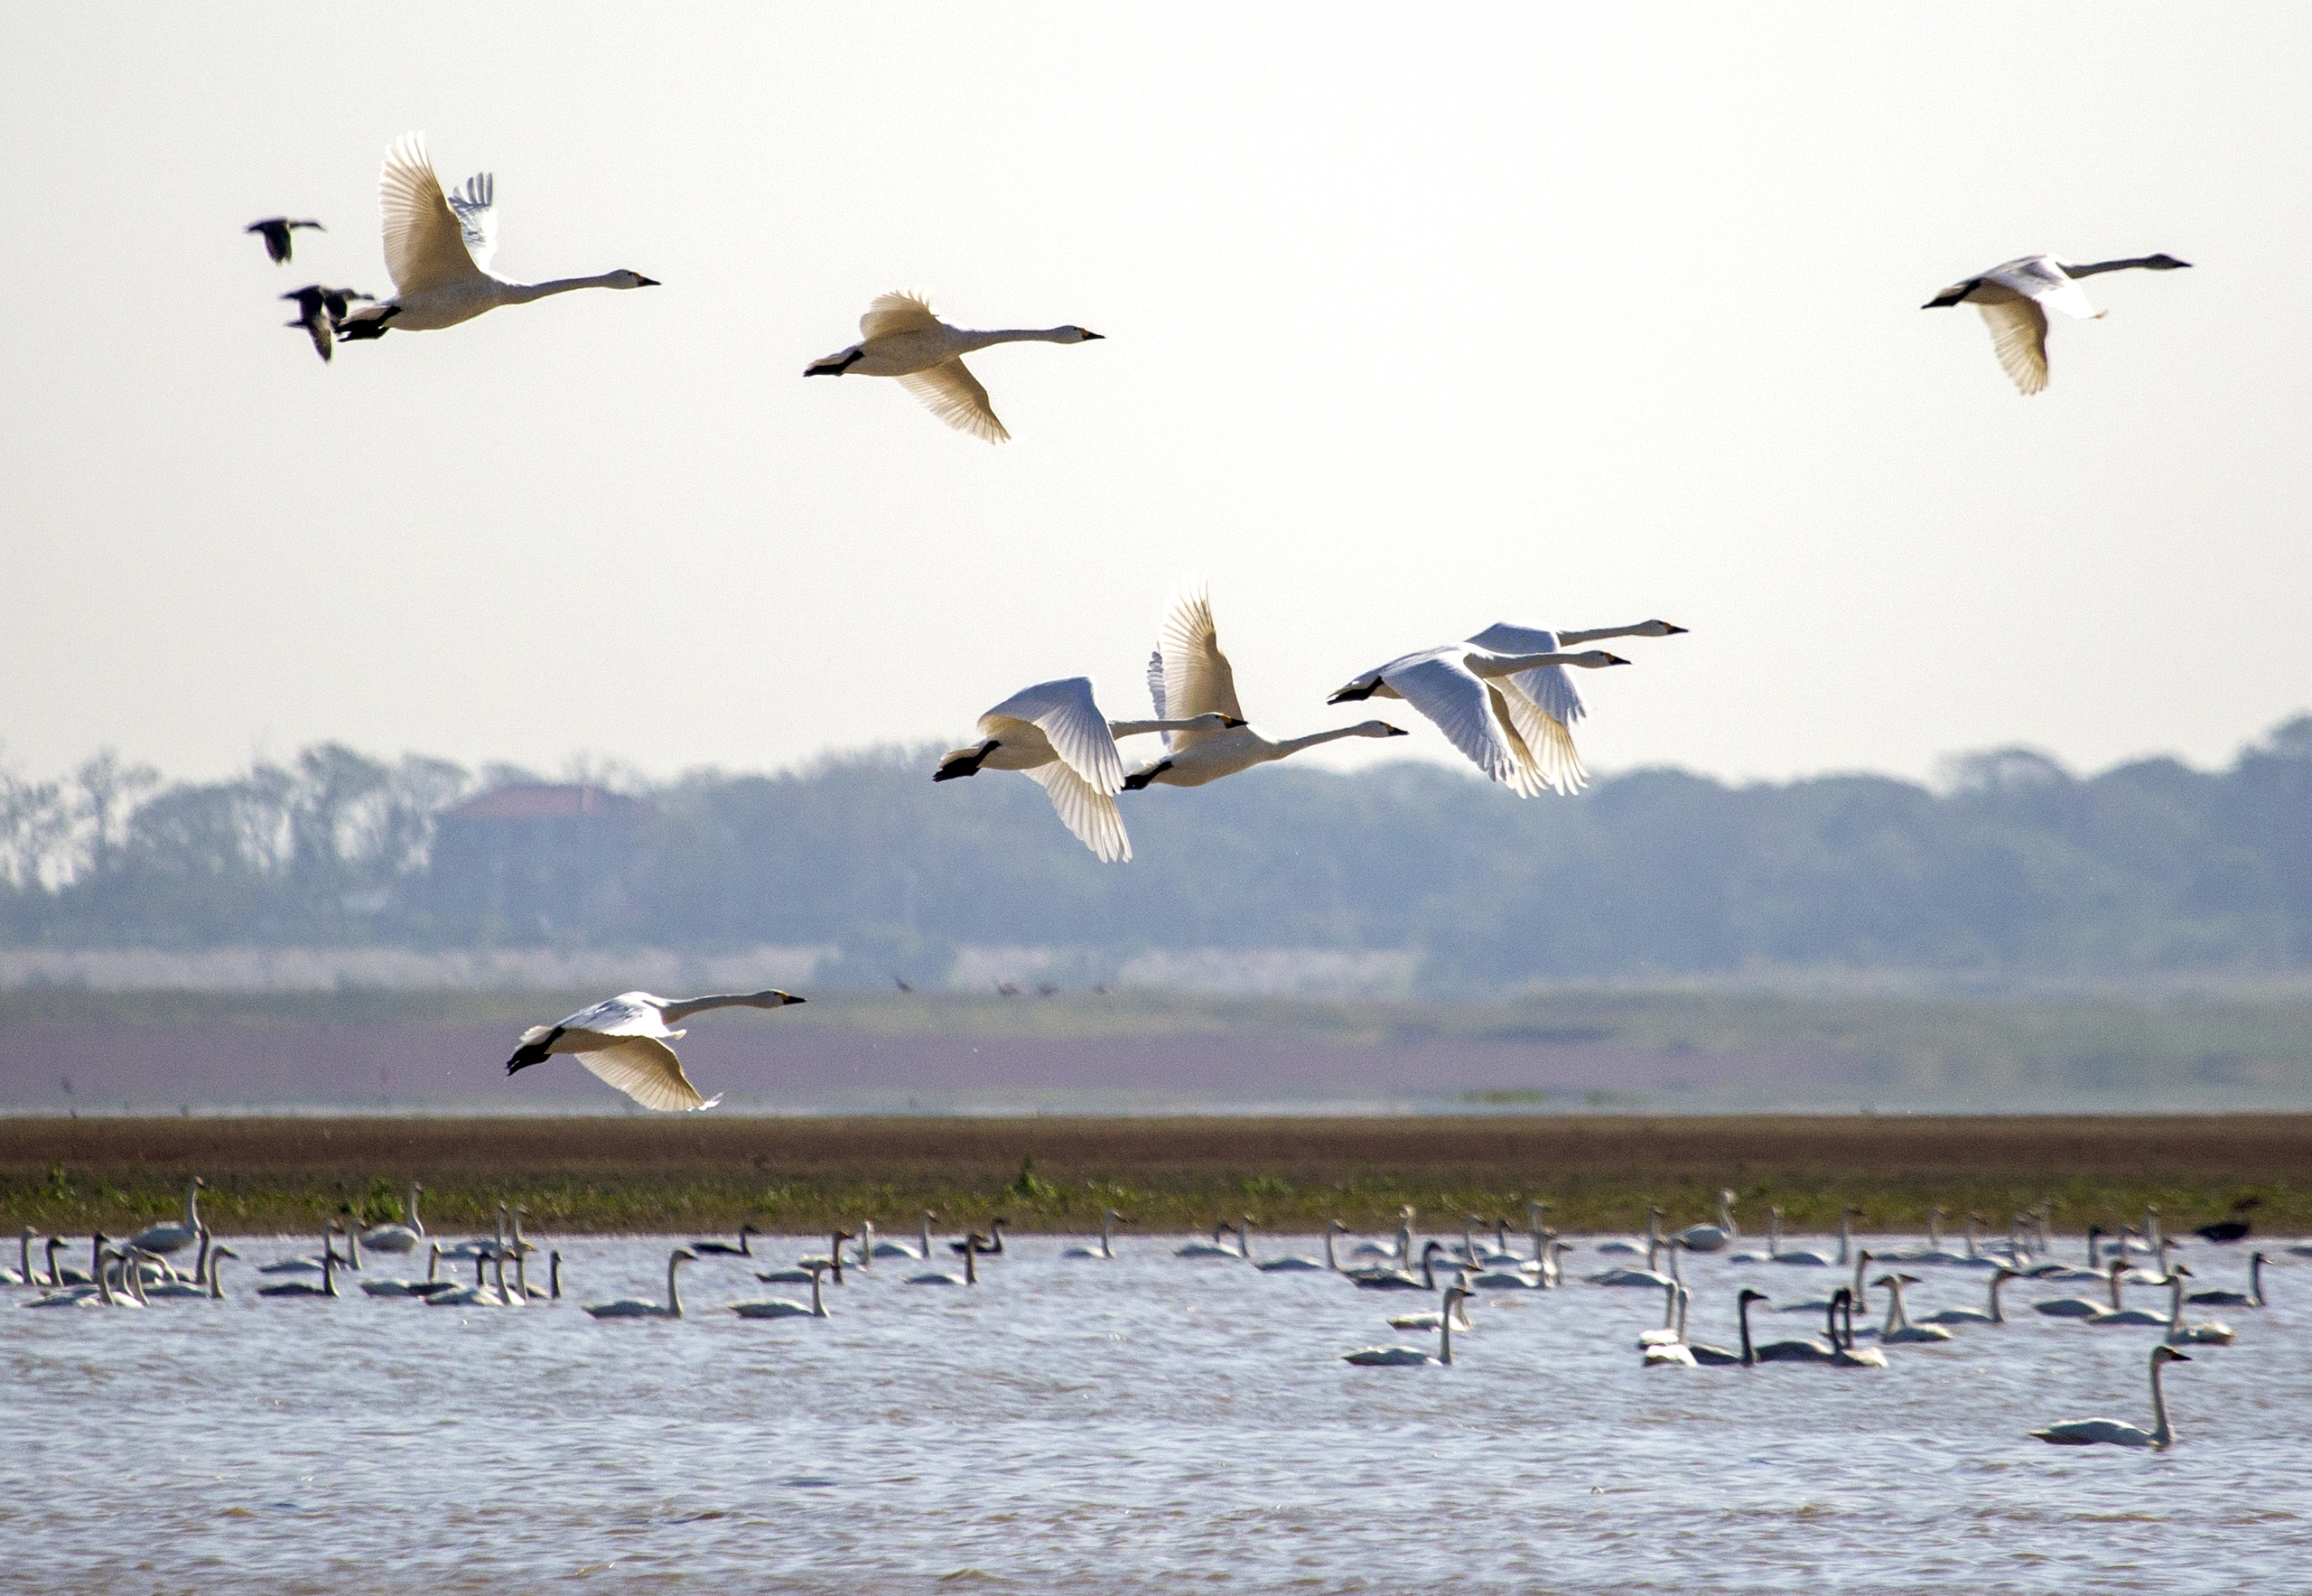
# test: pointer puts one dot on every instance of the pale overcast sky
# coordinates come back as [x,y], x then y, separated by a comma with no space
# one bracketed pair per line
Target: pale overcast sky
[1417,319]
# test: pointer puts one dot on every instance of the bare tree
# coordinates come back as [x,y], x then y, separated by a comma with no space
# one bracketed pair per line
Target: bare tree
[106,791]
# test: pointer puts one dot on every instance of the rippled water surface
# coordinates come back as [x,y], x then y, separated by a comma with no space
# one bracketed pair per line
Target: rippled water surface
[1144,1424]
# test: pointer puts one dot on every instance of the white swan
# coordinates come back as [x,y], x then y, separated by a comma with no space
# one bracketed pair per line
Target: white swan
[1453,1300]
[1645,1244]
[2119,1312]
[432,1284]
[623,1041]
[900,1250]
[438,249]
[1106,1249]
[399,1238]
[2014,298]
[642,1307]
[2213,1332]
[900,337]
[1208,1249]
[2087,1307]
[306,1288]
[1669,1332]
[1987,1315]
[781,1308]
[1898,1327]
[2111,1431]
[1804,1258]
[1054,733]
[1402,1280]
[970,1276]
[25,1274]
[1289,1264]
[1479,699]
[741,1248]
[1189,675]
[1412,1357]
[1710,1239]
[1643,1278]
[174,1238]
[314,1264]
[2253,1297]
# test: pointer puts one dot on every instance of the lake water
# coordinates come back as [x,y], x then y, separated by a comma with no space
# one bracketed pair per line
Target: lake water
[1145,1424]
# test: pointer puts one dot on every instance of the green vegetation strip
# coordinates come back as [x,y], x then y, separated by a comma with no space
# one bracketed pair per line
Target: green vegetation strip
[707,1173]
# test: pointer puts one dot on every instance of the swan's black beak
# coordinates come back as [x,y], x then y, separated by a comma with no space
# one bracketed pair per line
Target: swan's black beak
[790,998]
[642,282]
[1092,337]
[1676,631]
[1398,731]
[1615,659]
[1232,722]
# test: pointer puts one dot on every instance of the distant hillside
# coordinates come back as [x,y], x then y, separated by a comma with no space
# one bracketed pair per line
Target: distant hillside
[2016,867]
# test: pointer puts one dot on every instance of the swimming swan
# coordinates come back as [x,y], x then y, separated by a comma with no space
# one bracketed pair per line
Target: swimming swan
[399,1238]
[1412,1357]
[642,1307]
[781,1308]
[900,337]
[741,1248]
[900,1250]
[2013,299]
[1106,1249]
[2211,1332]
[970,1276]
[1189,675]
[623,1041]
[2253,1297]
[174,1238]
[2111,1431]
[438,249]
[1990,1315]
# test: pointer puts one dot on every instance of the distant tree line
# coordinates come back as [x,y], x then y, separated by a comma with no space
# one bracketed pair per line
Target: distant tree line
[2013,864]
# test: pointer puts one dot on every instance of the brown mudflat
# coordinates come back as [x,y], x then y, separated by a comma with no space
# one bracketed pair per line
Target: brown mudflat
[1598,1172]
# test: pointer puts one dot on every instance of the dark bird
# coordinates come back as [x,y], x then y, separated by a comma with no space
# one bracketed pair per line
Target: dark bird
[973,1242]
[320,310]
[276,230]
[2235,1229]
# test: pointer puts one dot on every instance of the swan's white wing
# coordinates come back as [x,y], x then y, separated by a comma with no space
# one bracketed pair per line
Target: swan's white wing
[1550,688]
[2042,278]
[897,312]
[1198,679]
[1550,758]
[425,247]
[1456,701]
[1156,683]
[1528,782]
[1069,717]
[954,394]
[476,205]
[1091,814]
[646,1070]
[629,1013]
[2019,337]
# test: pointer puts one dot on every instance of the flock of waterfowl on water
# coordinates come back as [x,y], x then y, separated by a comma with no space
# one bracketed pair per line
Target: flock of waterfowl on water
[140,1271]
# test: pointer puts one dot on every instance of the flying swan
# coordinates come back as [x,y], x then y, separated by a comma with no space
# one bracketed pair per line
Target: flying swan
[2014,298]
[1054,733]
[438,249]
[1502,699]
[900,337]
[624,1041]
[1189,674]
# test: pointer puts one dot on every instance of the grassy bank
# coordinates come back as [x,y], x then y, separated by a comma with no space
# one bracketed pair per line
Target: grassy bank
[711,1172]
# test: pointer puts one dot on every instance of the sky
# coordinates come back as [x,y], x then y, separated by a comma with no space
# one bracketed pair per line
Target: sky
[1414,321]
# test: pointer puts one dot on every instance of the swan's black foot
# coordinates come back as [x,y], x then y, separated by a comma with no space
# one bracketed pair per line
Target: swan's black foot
[1139,779]
[834,368]
[1352,694]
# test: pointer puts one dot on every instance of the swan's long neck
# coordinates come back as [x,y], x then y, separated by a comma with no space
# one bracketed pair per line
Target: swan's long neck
[1669,1307]
[970,1261]
[216,1280]
[2096,268]
[1567,639]
[674,1013]
[964,342]
[1845,1238]
[1997,1316]
[1726,1217]
[1894,1320]
[818,1301]
[1445,1330]
[1331,1262]
[416,1223]
[2255,1279]
[673,1291]
[192,1205]
[2175,1304]
[1750,1356]
[927,1236]
[523,293]
[2118,1269]
[1293,745]
[1510,665]
[1138,728]
[24,1251]
[1774,1232]
[1107,1230]
[2162,1432]
[432,1261]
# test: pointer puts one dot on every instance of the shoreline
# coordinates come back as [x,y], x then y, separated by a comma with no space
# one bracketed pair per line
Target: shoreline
[1599,1171]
